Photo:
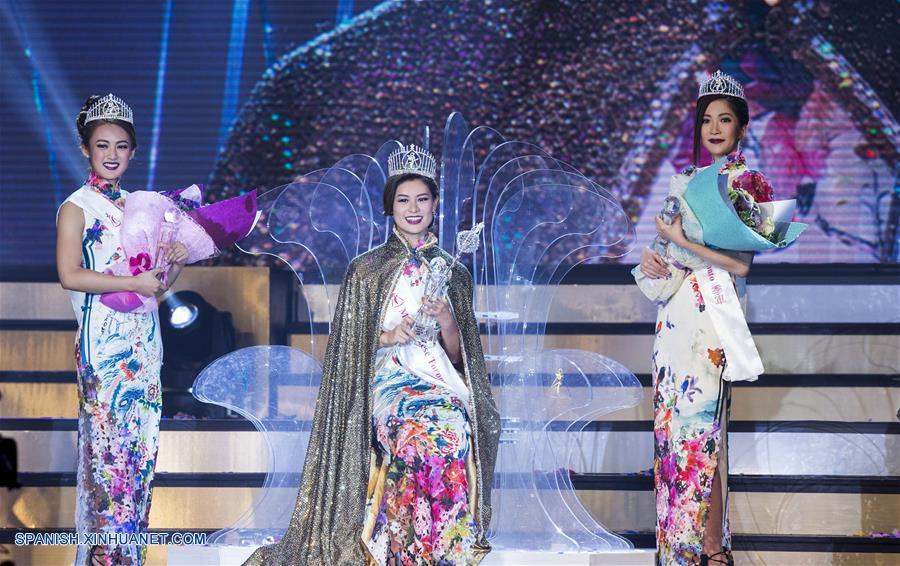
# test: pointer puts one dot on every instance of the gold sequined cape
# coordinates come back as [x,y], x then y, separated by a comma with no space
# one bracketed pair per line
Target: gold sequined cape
[327,521]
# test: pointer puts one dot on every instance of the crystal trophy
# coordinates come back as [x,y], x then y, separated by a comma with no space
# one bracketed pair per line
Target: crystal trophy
[671,208]
[425,326]
[167,232]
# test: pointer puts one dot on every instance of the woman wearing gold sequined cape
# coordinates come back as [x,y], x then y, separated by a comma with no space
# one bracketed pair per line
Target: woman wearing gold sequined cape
[343,469]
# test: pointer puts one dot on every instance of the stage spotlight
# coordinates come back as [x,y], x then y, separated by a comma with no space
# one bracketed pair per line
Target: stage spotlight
[194,333]
[184,315]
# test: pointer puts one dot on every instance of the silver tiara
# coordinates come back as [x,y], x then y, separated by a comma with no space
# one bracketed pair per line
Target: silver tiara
[110,107]
[412,159]
[720,83]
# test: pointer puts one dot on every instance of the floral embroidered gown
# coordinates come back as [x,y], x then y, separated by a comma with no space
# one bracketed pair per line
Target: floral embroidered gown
[421,426]
[118,358]
[691,407]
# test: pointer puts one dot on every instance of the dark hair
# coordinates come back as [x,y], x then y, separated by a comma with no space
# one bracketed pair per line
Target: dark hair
[86,130]
[390,188]
[737,105]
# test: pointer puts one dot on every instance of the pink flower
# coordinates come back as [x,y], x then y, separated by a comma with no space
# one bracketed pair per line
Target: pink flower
[421,477]
[139,263]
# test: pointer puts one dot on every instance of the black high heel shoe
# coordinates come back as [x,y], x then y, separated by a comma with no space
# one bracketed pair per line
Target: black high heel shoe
[710,559]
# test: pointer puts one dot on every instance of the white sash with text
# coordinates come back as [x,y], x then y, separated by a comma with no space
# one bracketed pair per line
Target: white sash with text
[742,361]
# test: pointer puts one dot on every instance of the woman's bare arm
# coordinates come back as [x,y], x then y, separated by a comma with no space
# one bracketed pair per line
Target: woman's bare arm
[69,232]
[440,309]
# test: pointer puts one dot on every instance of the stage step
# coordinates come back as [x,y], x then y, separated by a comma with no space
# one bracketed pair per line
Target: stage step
[869,349]
[777,397]
[783,352]
[756,447]
[814,444]
[596,293]
[228,556]
[838,507]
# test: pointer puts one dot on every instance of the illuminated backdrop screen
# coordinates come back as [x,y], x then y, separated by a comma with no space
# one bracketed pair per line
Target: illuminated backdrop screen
[605,86]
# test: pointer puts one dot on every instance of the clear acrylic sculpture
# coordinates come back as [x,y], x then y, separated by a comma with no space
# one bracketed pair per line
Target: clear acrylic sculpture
[543,217]
[323,220]
[548,399]
[274,387]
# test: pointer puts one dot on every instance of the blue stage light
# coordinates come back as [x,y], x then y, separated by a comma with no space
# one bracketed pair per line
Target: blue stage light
[234,66]
[268,28]
[39,105]
[344,12]
[160,89]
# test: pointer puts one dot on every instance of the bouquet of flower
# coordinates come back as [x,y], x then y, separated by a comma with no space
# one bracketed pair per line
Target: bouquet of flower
[735,208]
[746,192]
[152,221]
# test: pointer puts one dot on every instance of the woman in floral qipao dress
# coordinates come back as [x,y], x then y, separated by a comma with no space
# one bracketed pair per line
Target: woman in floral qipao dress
[404,438]
[691,400]
[420,415]
[118,355]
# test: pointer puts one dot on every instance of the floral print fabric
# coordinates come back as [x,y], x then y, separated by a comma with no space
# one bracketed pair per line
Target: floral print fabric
[424,516]
[108,189]
[118,358]
[690,404]
[750,180]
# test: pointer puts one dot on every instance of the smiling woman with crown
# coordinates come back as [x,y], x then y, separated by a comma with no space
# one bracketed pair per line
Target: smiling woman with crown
[118,354]
[115,251]
[715,218]
[405,430]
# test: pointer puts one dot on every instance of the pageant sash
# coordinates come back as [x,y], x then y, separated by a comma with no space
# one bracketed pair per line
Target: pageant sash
[427,361]
[96,207]
[742,361]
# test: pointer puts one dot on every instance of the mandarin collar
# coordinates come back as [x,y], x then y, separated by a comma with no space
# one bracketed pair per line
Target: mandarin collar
[110,190]
[734,160]
[429,242]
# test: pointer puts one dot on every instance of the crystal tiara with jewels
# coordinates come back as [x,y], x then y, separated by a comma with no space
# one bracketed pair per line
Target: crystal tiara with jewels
[110,107]
[412,159]
[720,83]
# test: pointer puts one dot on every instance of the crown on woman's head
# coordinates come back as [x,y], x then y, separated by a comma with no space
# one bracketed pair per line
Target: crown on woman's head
[110,107]
[720,83]
[412,159]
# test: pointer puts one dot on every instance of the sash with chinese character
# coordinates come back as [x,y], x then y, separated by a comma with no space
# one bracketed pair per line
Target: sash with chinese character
[742,358]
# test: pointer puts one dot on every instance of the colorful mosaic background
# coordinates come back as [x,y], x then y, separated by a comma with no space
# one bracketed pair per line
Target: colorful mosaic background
[605,86]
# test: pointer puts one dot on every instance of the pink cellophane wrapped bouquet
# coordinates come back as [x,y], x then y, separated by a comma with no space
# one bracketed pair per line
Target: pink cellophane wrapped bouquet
[152,221]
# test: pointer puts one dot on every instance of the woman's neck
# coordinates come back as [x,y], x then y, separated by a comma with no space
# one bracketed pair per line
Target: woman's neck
[721,155]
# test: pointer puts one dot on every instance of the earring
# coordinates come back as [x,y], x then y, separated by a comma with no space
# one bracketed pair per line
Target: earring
[434,215]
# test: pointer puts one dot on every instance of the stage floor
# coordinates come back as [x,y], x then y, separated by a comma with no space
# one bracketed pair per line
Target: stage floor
[235,555]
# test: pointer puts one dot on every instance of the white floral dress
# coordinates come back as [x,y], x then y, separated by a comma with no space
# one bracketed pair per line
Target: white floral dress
[118,357]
